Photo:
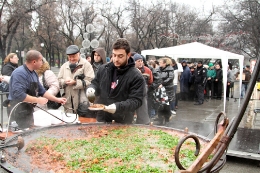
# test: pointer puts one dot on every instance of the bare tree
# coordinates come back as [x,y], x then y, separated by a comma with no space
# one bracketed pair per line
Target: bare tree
[12,13]
[242,23]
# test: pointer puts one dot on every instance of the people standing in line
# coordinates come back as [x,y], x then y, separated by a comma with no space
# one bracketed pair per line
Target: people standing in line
[229,80]
[177,68]
[184,81]
[119,85]
[151,90]
[74,76]
[211,74]
[200,79]
[192,86]
[143,111]
[48,79]
[98,57]
[233,76]
[164,92]
[245,81]
[218,82]
[25,88]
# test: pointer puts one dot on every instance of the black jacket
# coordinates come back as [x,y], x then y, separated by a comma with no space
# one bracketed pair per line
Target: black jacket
[219,75]
[200,75]
[8,68]
[127,95]
[167,76]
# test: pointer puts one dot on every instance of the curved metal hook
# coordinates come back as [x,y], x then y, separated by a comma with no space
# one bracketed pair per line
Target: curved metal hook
[217,121]
[178,147]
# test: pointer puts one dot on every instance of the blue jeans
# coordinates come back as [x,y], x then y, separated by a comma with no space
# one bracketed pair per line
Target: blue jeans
[243,90]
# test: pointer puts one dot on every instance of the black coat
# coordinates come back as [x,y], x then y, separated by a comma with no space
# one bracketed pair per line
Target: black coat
[127,96]
[219,75]
[8,68]
[167,76]
[200,75]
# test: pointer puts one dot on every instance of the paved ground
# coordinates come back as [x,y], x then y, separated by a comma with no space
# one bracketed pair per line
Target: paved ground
[200,120]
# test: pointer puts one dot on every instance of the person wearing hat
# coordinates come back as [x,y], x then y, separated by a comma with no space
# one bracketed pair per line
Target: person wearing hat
[26,90]
[74,76]
[184,81]
[200,79]
[143,112]
[211,74]
[98,57]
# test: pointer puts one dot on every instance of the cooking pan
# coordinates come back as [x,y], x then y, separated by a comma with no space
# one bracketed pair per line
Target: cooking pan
[19,161]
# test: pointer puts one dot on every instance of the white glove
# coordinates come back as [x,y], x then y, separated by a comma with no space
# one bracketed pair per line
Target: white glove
[110,108]
[90,92]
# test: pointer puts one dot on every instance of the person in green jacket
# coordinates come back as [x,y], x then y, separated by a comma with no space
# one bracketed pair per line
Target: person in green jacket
[211,74]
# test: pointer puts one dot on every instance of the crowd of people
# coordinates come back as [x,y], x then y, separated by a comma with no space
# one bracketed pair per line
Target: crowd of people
[130,87]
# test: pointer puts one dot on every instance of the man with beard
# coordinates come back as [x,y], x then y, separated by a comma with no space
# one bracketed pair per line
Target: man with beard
[119,85]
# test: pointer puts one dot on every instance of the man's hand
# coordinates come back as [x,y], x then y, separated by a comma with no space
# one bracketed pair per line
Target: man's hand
[70,82]
[62,100]
[42,100]
[110,108]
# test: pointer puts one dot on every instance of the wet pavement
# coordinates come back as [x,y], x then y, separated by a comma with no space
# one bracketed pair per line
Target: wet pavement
[201,120]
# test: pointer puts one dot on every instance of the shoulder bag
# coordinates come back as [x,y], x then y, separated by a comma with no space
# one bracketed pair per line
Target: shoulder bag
[82,109]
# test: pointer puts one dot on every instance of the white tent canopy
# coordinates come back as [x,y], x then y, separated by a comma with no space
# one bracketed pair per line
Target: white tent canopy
[201,51]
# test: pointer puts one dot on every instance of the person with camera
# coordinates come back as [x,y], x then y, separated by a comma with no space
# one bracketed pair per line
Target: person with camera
[74,76]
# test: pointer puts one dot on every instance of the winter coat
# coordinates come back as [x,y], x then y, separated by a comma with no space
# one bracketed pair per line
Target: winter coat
[72,91]
[147,74]
[247,76]
[127,95]
[167,75]
[8,69]
[229,76]
[102,54]
[184,79]
[200,74]
[177,69]
[211,73]
[219,75]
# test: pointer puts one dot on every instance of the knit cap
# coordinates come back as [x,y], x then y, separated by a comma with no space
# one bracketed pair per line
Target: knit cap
[137,57]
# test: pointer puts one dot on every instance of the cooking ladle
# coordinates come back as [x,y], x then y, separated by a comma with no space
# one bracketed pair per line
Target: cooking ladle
[19,144]
[91,98]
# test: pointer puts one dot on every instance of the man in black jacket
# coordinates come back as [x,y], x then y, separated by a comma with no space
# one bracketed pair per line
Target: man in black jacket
[119,85]
[200,81]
